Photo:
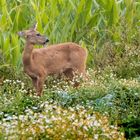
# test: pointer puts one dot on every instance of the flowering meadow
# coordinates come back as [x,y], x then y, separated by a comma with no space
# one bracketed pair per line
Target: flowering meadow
[96,110]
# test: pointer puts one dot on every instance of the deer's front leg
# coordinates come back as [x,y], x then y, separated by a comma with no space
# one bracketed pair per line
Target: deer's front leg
[40,83]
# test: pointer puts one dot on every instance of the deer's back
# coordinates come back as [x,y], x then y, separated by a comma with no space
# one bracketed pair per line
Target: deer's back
[59,57]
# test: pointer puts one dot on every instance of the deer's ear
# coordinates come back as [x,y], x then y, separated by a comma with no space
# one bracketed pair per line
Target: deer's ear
[21,33]
[34,26]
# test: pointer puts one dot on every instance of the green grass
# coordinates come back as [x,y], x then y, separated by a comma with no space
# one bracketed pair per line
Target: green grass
[91,23]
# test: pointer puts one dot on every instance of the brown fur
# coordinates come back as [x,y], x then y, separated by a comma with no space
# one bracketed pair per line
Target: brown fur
[56,59]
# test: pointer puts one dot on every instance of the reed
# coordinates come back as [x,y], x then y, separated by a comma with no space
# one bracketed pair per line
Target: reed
[91,23]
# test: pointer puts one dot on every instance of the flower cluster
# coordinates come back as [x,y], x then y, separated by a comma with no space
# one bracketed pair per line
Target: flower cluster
[130,83]
[13,86]
[55,122]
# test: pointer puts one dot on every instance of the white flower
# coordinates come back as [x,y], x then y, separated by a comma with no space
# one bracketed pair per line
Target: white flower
[8,118]
[96,136]
[47,120]
[34,107]
[85,127]
[21,117]
[96,123]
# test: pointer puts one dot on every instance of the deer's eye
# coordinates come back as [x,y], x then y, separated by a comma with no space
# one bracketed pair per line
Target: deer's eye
[38,34]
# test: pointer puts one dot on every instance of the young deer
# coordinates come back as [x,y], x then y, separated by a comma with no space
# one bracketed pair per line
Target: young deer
[58,59]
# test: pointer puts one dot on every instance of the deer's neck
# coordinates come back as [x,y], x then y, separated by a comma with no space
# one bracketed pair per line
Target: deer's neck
[27,54]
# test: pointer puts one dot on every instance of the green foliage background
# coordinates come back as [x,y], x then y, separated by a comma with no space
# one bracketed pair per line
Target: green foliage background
[91,23]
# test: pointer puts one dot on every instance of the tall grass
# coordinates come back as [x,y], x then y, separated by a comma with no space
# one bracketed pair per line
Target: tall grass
[91,23]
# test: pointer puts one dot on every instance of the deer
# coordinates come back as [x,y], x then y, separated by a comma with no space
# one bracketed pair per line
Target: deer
[38,63]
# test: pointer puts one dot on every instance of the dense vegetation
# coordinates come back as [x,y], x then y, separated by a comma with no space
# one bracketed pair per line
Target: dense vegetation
[107,104]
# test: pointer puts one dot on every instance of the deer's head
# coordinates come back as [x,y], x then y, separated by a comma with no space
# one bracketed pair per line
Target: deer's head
[33,36]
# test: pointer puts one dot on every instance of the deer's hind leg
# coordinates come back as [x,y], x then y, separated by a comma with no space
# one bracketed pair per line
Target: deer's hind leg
[34,81]
[69,73]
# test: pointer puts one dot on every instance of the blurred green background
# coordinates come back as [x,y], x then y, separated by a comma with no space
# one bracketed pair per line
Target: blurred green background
[107,28]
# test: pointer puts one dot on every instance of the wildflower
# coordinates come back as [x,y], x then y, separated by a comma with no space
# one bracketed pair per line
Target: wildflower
[8,118]
[96,123]
[96,136]
[21,117]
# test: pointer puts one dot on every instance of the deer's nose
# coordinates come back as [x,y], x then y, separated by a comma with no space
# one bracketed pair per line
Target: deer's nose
[47,40]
